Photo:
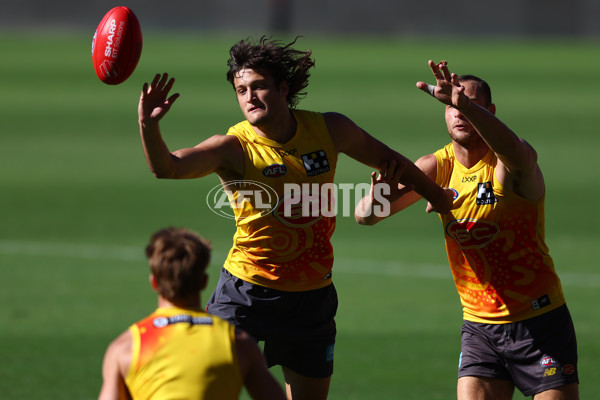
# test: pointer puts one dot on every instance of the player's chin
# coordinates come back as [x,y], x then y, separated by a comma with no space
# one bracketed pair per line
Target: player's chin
[256,116]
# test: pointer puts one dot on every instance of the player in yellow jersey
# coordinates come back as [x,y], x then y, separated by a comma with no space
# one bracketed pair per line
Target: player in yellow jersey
[277,280]
[517,331]
[179,351]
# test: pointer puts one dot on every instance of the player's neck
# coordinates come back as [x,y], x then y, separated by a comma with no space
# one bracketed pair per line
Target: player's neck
[281,130]
[191,303]
[470,155]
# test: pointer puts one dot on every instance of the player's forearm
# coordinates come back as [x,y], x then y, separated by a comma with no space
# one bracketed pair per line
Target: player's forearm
[364,213]
[500,138]
[425,187]
[157,154]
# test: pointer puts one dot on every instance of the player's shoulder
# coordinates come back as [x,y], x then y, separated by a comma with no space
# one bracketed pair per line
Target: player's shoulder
[428,164]
[118,352]
[333,118]
[122,343]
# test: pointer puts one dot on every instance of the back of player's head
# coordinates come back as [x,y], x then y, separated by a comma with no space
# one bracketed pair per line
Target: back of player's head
[178,259]
[482,87]
[270,57]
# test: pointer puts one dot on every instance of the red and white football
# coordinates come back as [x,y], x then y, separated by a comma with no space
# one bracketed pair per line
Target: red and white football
[117,46]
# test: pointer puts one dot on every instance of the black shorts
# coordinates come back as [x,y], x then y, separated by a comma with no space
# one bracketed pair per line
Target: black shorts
[298,328]
[537,354]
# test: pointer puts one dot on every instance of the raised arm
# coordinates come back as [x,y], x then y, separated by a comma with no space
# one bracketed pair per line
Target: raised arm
[219,153]
[397,197]
[518,160]
[358,144]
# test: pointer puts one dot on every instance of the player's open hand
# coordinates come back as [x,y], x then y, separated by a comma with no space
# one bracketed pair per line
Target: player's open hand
[390,174]
[447,90]
[154,100]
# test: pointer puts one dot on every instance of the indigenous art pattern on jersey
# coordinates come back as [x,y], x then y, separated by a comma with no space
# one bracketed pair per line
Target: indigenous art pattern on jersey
[495,244]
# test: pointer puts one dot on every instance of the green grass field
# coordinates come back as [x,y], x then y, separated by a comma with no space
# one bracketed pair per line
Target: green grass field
[78,202]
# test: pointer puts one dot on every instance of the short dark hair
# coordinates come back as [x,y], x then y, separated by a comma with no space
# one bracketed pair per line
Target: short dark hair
[178,259]
[483,86]
[280,61]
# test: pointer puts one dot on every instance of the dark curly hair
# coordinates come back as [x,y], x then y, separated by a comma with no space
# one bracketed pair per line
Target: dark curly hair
[281,61]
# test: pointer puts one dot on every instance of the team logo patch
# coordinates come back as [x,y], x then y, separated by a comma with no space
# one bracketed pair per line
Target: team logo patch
[547,361]
[568,369]
[315,163]
[485,194]
[274,170]
[472,233]
[454,193]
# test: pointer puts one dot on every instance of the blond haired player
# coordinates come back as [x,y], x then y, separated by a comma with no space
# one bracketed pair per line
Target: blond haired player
[277,280]
[517,331]
[180,351]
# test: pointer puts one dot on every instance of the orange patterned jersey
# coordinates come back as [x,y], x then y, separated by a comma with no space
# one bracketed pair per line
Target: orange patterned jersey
[496,245]
[183,354]
[283,207]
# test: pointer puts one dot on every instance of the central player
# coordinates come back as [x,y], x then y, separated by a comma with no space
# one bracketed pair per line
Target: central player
[276,282]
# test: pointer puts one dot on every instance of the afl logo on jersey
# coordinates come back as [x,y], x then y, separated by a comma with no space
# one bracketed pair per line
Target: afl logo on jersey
[275,170]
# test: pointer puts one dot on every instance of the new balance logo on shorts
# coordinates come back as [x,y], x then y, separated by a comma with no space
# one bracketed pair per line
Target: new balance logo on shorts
[485,194]
[315,163]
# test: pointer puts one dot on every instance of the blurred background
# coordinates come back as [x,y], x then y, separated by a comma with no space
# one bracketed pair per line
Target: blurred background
[574,18]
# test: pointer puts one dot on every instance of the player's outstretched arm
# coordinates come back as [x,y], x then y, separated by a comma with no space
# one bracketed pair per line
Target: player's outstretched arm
[358,144]
[518,159]
[219,153]
[369,209]
[152,107]
[259,382]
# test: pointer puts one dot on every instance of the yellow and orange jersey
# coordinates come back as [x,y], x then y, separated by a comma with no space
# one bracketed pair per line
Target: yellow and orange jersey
[496,246]
[183,354]
[282,207]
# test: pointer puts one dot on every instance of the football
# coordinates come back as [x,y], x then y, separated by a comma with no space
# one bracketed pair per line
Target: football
[117,45]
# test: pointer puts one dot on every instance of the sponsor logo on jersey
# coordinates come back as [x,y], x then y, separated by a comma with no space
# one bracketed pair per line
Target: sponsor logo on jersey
[161,322]
[285,153]
[472,233]
[315,163]
[469,179]
[274,170]
[485,194]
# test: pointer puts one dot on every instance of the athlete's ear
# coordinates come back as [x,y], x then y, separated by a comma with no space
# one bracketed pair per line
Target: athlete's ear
[284,88]
[153,282]
[492,108]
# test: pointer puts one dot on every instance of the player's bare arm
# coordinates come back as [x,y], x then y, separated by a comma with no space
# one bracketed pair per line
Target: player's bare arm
[114,369]
[400,196]
[519,169]
[259,383]
[220,153]
[358,144]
